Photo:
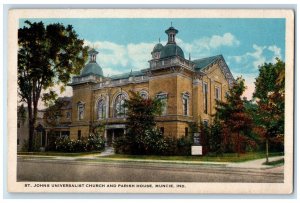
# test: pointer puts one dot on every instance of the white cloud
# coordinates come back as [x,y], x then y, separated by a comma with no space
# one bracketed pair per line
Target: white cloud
[257,56]
[202,47]
[67,93]
[139,54]
[249,83]
[276,50]
[110,53]
[250,61]
[116,58]
[226,40]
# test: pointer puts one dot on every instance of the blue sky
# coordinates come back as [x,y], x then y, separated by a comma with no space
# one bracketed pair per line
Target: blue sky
[126,44]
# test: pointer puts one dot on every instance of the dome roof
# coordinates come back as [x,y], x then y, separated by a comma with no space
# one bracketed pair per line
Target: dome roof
[171,50]
[157,48]
[92,68]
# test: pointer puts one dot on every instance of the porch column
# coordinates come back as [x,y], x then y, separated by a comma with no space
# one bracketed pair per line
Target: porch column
[46,141]
[107,107]
[105,134]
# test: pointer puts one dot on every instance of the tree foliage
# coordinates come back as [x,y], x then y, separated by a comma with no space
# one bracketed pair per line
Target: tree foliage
[47,56]
[270,95]
[233,118]
[141,135]
[54,112]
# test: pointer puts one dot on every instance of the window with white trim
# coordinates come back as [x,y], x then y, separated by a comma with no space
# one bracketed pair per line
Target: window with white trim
[68,115]
[119,108]
[185,103]
[101,109]
[163,98]
[144,94]
[80,110]
[205,123]
[218,93]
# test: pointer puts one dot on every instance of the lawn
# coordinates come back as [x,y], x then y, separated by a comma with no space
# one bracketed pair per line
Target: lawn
[226,157]
[58,153]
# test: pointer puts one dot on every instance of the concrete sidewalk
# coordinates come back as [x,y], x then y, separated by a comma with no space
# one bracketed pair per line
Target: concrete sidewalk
[253,164]
[258,163]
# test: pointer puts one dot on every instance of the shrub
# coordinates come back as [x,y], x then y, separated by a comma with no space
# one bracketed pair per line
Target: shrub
[151,143]
[92,143]
[95,143]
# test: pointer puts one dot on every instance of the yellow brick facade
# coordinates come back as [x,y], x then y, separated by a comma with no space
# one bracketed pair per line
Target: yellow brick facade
[180,82]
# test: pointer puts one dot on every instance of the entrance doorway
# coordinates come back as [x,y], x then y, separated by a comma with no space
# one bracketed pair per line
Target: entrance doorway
[113,134]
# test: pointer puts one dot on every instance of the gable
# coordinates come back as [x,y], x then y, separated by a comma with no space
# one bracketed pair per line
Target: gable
[205,64]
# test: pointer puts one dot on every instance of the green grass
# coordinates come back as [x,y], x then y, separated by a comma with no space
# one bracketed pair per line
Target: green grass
[227,157]
[57,153]
[275,163]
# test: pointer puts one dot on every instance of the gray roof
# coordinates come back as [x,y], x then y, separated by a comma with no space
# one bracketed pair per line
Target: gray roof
[171,50]
[157,48]
[92,68]
[204,62]
[127,75]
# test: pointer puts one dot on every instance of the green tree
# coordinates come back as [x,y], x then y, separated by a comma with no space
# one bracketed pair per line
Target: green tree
[141,135]
[270,95]
[47,56]
[21,113]
[54,112]
[233,117]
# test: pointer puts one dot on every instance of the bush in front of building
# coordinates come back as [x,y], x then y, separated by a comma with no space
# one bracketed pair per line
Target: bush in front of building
[91,143]
[151,142]
[95,142]
[178,146]
[36,144]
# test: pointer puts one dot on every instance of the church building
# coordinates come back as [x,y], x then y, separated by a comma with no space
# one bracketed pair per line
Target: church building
[188,88]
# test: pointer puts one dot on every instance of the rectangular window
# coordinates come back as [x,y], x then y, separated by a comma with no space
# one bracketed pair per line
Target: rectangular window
[68,115]
[18,141]
[218,93]
[185,106]
[80,108]
[79,135]
[205,93]
[186,132]
[162,130]
[205,123]
[19,125]
[163,98]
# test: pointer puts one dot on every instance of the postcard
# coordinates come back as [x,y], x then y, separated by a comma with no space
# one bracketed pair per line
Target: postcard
[151,101]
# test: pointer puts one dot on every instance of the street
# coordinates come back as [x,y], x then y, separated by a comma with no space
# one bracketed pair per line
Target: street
[48,170]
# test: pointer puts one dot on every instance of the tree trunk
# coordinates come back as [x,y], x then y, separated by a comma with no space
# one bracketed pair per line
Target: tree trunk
[267,151]
[32,113]
[30,128]
[238,144]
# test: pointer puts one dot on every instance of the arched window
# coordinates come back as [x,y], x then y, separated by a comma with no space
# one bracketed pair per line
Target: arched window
[101,109]
[119,108]
[80,110]
[144,94]
[163,98]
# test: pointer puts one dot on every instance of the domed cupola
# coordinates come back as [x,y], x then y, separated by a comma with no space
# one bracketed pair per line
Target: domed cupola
[171,48]
[92,68]
[156,50]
